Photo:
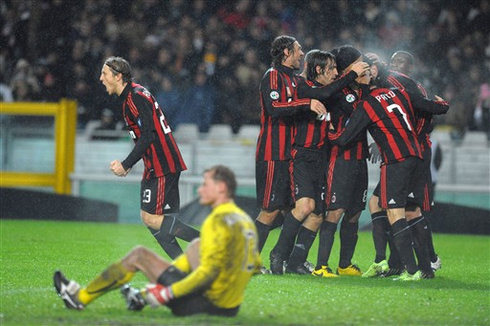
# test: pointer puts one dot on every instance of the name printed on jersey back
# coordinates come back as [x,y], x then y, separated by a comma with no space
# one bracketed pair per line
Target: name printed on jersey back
[385,96]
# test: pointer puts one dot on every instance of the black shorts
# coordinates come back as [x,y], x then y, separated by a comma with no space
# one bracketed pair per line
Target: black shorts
[309,177]
[418,191]
[194,303]
[396,184]
[273,184]
[346,185]
[161,195]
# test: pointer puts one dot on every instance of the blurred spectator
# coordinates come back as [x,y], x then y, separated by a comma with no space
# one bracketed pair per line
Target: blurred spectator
[167,42]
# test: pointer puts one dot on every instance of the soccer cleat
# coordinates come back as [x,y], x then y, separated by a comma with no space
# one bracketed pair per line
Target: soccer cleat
[67,290]
[134,298]
[377,269]
[323,271]
[405,276]
[394,272]
[428,274]
[277,264]
[437,264]
[309,266]
[301,270]
[351,270]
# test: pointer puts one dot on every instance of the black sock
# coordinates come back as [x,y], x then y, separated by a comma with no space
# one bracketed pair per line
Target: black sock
[432,251]
[348,241]
[402,238]
[380,229]
[327,237]
[168,243]
[263,233]
[302,247]
[394,261]
[175,227]
[421,234]
[287,237]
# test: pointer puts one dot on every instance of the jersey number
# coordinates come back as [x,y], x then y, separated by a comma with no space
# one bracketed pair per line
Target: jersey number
[248,263]
[165,126]
[393,107]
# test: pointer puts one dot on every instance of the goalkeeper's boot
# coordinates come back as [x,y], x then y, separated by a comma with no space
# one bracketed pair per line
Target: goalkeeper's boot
[405,276]
[377,269]
[323,271]
[436,265]
[134,298]
[67,290]
[277,263]
[351,270]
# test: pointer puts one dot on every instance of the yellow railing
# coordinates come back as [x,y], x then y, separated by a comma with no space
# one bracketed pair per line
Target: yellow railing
[65,117]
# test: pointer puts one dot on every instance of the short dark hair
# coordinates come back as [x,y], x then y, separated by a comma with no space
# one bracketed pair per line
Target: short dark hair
[407,54]
[277,48]
[119,65]
[316,58]
[226,175]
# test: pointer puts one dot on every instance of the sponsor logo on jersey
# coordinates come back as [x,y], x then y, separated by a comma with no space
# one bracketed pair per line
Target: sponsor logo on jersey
[274,95]
[350,98]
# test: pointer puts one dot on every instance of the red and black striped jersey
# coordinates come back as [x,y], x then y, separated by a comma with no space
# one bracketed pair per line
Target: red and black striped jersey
[279,103]
[151,133]
[310,130]
[389,116]
[341,106]
[424,120]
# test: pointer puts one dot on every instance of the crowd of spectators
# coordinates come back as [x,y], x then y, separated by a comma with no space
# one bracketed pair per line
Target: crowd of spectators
[203,60]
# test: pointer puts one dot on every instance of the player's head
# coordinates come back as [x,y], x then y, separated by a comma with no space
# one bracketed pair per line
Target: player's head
[346,56]
[286,50]
[320,66]
[402,61]
[115,73]
[219,185]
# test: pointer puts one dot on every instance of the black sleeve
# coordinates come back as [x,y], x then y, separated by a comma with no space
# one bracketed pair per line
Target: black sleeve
[147,128]
[324,92]
[357,123]
[422,104]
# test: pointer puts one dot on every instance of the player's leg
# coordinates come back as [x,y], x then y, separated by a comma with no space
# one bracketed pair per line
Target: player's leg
[115,276]
[349,228]
[306,237]
[160,196]
[394,185]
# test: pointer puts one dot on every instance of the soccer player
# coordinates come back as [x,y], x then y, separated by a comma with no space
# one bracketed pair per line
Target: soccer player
[309,153]
[347,176]
[155,144]
[279,103]
[210,277]
[401,65]
[389,116]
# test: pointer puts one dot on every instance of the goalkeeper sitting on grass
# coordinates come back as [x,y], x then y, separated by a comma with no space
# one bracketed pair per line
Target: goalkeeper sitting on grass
[210,277]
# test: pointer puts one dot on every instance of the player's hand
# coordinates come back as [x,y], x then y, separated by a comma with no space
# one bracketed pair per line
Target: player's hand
[158,295]
[317,107]
[360,67]
[117,168]
[374,154]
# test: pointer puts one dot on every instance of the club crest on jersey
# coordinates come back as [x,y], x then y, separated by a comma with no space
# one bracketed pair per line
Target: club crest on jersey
[274,95]
[350,98]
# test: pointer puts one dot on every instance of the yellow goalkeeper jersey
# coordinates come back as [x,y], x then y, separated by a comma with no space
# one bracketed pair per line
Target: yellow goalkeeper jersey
[228,257]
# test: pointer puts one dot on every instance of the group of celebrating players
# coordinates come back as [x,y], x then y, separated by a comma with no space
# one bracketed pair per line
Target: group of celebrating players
[311,160]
